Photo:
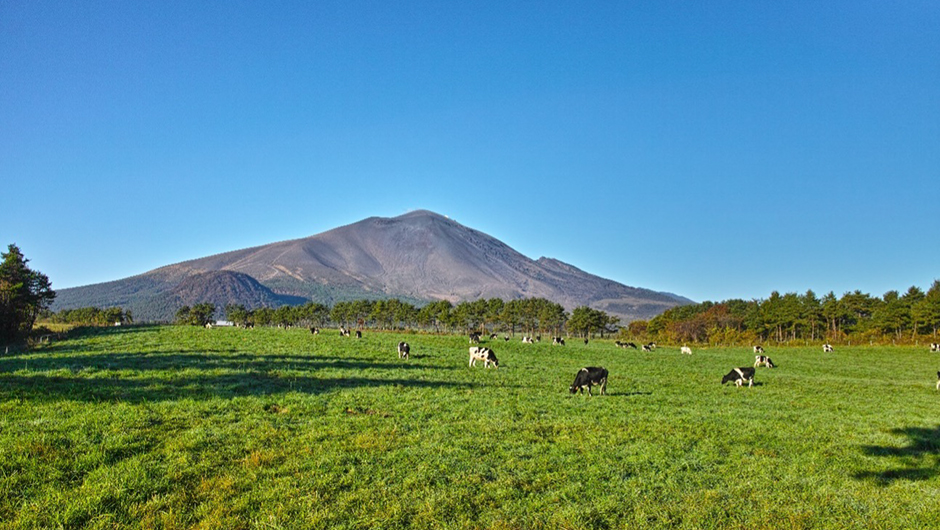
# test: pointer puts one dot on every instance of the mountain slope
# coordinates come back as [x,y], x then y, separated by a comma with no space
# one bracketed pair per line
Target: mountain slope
[417,256]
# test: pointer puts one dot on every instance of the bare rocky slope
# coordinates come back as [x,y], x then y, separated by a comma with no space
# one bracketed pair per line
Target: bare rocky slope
[417,256]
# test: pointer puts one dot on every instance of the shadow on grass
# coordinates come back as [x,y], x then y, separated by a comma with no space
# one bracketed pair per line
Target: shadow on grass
[66,372]
[919,459]
[202,360]
[149,389]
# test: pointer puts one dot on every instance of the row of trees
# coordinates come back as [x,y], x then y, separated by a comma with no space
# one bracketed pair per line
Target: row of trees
[91,316]
[853,317]
[531,315]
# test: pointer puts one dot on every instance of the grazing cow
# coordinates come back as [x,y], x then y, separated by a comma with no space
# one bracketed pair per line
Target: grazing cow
[827,348]
[585,341]
[620,344]
[740,375]
[558,340]
[758,349]
[934,346]
[527,340]
[492,336]
[538,338]
[647,347]
[404,350]
[763,360]
[208,325]
[588,377]
[474,338]
[343,332]
[506,338]
[358,334]
[314,331]
[686,350]
[483,354]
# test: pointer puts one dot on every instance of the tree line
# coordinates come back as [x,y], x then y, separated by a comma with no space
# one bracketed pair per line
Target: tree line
[854,317]
[530,316]
[91,316]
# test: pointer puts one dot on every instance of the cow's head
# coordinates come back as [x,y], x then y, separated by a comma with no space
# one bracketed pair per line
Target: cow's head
[728,378]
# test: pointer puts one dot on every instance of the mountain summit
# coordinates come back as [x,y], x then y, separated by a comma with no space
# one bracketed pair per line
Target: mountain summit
[417,256]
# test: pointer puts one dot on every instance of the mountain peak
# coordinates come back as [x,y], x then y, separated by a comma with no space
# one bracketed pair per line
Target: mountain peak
[420,255]
[422,214]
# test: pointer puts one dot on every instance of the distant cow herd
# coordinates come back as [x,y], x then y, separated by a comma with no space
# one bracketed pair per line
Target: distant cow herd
[595,375]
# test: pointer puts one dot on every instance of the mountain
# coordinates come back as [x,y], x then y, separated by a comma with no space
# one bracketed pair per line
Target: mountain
[418,256]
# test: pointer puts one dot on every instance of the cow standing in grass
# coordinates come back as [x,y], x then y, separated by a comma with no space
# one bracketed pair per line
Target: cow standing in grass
[588,377]
[483,354]
[827,348]
[758,349]
[404,350]
[934,347]
[763,360]
[739,375]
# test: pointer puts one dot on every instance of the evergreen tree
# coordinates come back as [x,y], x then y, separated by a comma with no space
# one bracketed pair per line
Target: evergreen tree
[24,293]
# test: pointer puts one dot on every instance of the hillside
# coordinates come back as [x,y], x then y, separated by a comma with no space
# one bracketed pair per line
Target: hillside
[417,256]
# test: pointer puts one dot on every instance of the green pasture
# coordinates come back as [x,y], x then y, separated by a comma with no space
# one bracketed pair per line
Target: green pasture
[175,427]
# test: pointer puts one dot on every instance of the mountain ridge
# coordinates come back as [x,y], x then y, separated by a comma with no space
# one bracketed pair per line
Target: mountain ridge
[419,256]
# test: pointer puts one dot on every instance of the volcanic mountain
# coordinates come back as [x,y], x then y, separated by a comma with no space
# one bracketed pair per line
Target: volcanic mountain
[419,256]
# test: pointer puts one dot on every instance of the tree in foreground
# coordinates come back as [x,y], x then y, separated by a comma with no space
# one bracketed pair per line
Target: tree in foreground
[24,293]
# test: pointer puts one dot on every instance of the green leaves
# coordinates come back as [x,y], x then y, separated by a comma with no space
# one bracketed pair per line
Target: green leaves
[24,293]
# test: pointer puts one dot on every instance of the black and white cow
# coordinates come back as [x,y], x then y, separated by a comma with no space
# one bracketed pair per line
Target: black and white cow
[343,332]
[827,348]
[934,346]
[739,375]
[758,349]
[358,334]
[588,377]
[527,340]
[492,336]
[506,338]
[648,347]
[474,338]
[404,350]
[483,354]
[763,360]
[585,341]
[558,341]
[314,331]
[538,338]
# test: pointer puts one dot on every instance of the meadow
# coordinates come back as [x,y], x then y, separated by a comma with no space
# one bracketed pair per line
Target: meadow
[183,427]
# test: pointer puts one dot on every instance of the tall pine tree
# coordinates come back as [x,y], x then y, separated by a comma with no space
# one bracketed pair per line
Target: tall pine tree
[24,293]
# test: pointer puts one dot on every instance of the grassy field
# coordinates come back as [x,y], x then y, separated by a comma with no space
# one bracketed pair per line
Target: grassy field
[171,427]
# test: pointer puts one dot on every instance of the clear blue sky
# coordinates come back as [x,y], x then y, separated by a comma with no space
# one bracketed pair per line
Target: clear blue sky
[716,150]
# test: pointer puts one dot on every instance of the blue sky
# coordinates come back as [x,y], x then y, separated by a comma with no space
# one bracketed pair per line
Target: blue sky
[715,149]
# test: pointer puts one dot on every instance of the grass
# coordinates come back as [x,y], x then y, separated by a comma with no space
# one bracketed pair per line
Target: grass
[171,427]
